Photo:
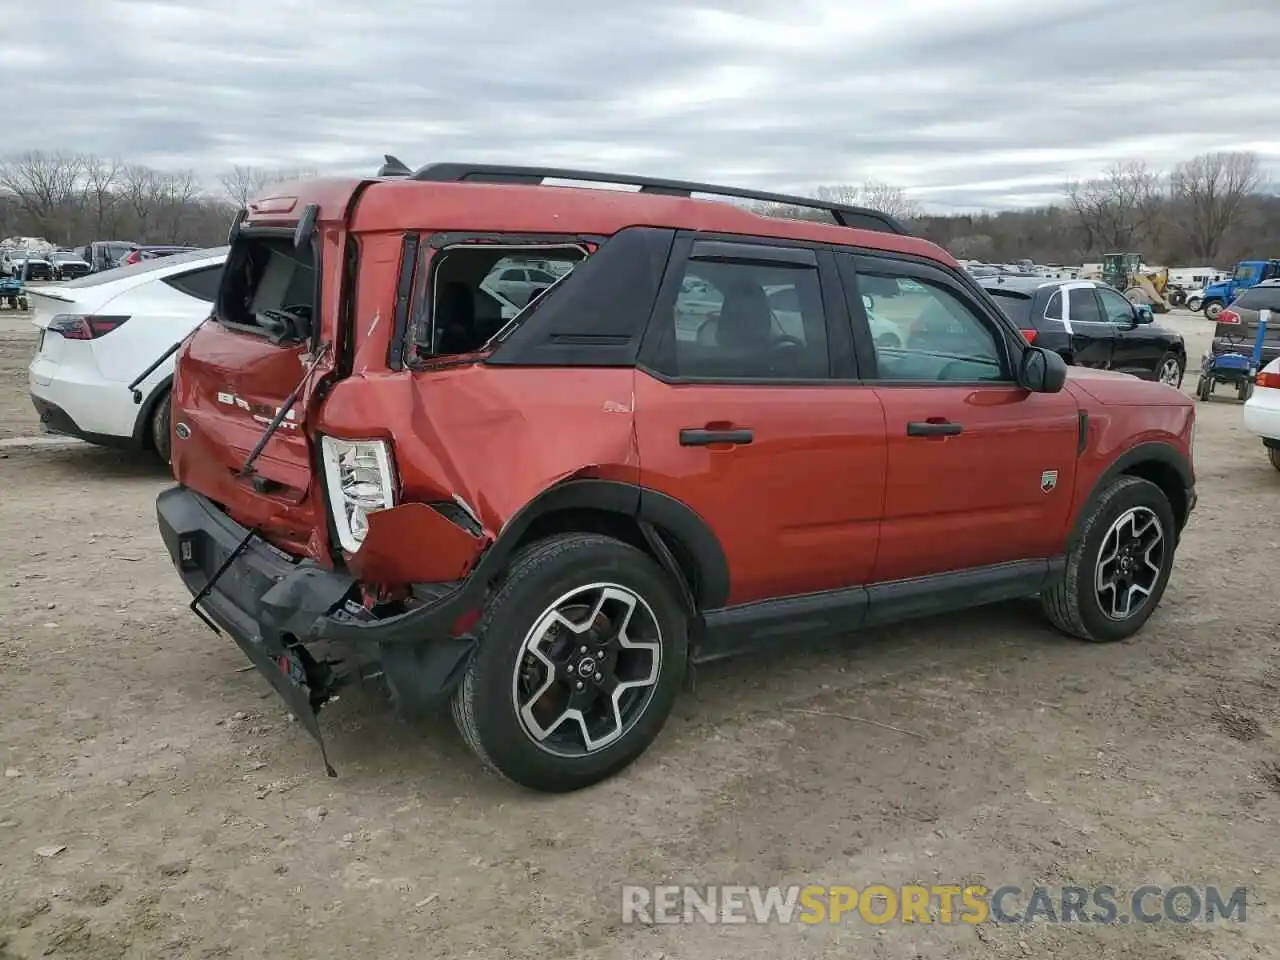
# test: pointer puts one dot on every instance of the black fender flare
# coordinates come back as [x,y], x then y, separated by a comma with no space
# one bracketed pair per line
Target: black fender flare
[1152,451]
[661,518]
[140,425]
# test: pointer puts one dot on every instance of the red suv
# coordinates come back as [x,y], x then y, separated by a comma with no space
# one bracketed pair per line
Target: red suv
[690,444]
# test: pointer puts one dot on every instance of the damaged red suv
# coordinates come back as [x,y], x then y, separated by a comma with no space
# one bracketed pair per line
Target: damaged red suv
[713,430]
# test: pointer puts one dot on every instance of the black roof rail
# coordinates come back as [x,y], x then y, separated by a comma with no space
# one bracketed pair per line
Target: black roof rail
[845,215]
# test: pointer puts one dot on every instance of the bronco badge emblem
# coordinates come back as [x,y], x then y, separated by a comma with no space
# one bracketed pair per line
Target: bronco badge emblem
[1048,480]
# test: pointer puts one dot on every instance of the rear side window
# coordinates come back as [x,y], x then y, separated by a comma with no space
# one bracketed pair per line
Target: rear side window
[1016,306]
[265,275]
[1053,309]
[749,321]
[1260,298]
[201,284]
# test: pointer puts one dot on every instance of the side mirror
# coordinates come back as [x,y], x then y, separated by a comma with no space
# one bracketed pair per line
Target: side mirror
[868,301]
[1041,370]
[1142,313]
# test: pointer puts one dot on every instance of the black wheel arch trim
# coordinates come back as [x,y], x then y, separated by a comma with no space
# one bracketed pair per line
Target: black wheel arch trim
[143,422]
[1153,451]
[661,518]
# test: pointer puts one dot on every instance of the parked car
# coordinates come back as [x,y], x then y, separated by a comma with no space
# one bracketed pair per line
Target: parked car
[547,526]
[1262,409]
[1092,325]
[151,252]
[106,254]
[517,283]
[28,265]
[99,332]
[68,265]
[1236,328]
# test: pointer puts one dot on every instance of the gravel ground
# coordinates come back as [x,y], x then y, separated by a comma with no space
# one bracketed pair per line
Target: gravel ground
[156,802]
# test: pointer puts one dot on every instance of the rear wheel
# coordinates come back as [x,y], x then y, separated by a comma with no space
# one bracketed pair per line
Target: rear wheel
[1204,387]
[582,652]
[1244,389]
[1194,304]
[1273,454]
[1119,567]
[1212,308]
[161,434]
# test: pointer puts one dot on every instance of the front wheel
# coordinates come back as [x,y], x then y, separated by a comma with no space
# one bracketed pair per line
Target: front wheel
[1118,568]
[1194,304]
[1171,369]
[1212,308]
[582,652]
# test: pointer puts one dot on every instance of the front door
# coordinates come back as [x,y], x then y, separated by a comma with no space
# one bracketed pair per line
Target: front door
[742,416]
[1139,347]
[979,470]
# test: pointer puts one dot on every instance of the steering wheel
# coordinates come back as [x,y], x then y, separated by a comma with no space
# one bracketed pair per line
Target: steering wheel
[302,310]
[942,374]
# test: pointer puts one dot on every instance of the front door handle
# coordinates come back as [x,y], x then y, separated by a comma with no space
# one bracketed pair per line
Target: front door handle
[933,428]
[698,437]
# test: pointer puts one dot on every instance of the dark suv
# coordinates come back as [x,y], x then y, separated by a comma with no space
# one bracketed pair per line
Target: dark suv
[690,445]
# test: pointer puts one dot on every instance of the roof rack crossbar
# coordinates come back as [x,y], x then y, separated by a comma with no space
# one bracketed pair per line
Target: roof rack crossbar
[845,215]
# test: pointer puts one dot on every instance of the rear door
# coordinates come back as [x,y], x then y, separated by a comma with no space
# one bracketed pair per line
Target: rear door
[237,371]
[754,419]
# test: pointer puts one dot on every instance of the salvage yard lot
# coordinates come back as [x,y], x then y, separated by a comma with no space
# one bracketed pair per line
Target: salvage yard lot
[190,818]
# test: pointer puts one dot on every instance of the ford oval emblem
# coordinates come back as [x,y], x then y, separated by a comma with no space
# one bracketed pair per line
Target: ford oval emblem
[182,430]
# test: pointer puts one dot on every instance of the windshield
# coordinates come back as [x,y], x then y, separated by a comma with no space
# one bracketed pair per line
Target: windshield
[1245,273]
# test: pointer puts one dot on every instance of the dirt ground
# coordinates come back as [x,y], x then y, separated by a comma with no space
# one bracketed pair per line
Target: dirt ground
[190,819]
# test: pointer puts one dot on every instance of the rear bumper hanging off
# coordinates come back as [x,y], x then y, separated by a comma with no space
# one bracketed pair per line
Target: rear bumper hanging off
[274,606]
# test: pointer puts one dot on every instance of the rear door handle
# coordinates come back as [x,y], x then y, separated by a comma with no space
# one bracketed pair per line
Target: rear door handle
[703,438]
[933,428]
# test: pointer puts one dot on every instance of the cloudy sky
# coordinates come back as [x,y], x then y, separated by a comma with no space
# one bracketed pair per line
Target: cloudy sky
[963,103]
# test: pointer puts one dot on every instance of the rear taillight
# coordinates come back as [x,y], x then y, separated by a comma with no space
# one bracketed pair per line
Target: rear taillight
[1266,379]
[1030,335]
[131,258]
[75,326]
[1230,318]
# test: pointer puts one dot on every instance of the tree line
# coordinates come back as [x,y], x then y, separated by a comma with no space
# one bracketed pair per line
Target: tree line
[1212,209]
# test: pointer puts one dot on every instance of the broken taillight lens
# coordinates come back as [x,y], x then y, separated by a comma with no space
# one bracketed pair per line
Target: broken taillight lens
[76,326]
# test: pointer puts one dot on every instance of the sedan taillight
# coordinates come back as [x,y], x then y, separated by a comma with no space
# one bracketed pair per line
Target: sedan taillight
[1266,379]
[1229,317]
[1030,335]
[76,326]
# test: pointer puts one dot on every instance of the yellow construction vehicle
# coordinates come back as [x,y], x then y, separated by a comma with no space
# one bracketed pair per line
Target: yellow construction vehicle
[1139,284]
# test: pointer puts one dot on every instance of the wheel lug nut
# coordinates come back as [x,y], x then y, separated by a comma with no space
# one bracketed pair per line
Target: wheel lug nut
[579,684]
[582,649]
[597,678]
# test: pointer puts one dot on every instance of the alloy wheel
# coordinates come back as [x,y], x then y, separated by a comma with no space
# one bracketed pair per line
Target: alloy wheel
[1129,564]
[1170,372]
[587,670]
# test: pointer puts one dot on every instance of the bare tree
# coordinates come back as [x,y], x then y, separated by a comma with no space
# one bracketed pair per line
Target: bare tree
[1211,189]
[242,184]
[875,195]
[43,183]
[1121,209]
[101,178]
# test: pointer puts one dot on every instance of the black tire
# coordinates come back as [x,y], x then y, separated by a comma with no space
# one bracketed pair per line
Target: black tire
[161,432]
[1273,454]
[1212,308]
[1072,604]
[1204,387]
[484,705]
[1177,358]
[1244,389]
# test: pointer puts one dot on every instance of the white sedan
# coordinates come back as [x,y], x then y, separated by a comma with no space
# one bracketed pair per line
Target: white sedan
[98,333]
[1262,410]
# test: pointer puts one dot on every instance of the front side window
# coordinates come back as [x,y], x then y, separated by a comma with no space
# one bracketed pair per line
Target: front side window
[735,320]
[939,338]
[1116,309]
[1082,306]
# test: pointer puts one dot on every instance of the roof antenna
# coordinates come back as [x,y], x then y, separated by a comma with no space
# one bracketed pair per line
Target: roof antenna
[392,167]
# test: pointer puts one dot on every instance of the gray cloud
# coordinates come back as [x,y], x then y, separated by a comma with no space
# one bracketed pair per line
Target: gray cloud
[983,104]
